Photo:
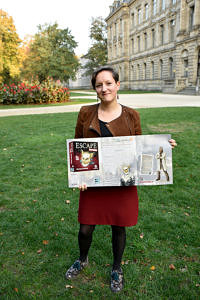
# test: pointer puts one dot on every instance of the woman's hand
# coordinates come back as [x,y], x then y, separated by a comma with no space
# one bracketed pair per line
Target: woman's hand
[173,143]
[82,187]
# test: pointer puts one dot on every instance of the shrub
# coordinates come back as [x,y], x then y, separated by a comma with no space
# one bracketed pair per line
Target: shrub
[48,91]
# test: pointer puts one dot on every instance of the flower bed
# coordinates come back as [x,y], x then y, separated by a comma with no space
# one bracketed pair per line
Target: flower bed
[48,91]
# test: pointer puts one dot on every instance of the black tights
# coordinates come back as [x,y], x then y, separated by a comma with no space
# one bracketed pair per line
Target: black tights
[118,242]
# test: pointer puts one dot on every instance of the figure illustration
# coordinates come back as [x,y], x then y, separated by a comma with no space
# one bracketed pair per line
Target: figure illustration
[86,158]
[161,164]
[127,179]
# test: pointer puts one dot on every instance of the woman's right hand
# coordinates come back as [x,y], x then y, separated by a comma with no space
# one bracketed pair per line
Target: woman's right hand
[82,187]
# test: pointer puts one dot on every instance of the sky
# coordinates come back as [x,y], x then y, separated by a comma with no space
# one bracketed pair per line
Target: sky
[74,14]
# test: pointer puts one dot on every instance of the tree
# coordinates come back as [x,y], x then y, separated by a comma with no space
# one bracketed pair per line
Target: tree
[51,54]
[97,53]
[9,49]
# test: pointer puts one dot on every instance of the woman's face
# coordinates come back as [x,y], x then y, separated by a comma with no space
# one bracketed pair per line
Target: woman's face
[106,87]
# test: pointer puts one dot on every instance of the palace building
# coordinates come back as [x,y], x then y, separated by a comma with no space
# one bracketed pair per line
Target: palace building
[155,44]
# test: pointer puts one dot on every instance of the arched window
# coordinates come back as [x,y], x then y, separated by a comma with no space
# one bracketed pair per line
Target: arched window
[161,69]
[152,70]
[171,68]
[145,71]
[132,72]
[138,72]
[184,57]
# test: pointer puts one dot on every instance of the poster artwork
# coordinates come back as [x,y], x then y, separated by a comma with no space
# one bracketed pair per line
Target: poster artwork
[83,156]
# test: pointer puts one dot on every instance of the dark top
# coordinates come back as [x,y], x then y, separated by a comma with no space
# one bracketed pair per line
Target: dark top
[105,132]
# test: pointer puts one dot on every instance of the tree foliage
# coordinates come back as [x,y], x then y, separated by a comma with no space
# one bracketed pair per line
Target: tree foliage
[9,48]
[51,54]
[97,53]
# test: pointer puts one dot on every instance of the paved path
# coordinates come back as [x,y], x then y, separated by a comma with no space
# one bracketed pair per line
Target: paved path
[131,100]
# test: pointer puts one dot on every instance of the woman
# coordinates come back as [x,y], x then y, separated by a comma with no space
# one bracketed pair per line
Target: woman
[115,206]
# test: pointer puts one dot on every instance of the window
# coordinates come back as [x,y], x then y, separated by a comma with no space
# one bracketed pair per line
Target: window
[171,67]
[138,72]
[191,17]
[145,41]
[139,16]
[132,20]
[172,26]
[145,71]
[154,7]
[163,5]
[138,39]
[173,2]
[132,45]
[146,11]
[115,28]
[132,72]
[152,70]
[153,38]
[121,26]
[185,62]
[161,69]
[162,34]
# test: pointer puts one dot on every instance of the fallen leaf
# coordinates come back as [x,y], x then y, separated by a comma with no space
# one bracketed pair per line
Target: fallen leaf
[4,149]
[67,201]
[1,233]
[91,291]
[142,235]
[34,201]
[39,251]
[69,286]
[16,290]
[197,285]
[45,242]
[172,267]
[152,268]
[62,219]
[186,214]
[22,253]
[27,221]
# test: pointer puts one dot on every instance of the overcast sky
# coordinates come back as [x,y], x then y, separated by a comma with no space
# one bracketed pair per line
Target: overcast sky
[74,14]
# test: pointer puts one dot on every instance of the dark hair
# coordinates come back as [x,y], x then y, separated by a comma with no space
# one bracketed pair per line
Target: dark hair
[115,75]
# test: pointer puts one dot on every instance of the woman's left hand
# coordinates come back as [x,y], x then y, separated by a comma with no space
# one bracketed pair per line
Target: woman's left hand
[173,143]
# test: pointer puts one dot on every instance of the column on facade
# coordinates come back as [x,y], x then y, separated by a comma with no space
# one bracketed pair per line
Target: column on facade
[197,13]
[183,16]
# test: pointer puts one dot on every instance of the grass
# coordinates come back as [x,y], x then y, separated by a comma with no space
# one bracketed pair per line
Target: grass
[39,229]
[77,94]
[72,102]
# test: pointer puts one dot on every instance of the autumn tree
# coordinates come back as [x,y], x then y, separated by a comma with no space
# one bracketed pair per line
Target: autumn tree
[97,53]
[9,49]
[51,54]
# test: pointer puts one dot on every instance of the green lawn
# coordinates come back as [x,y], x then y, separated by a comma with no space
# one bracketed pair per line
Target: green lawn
[72,102]
[39,228]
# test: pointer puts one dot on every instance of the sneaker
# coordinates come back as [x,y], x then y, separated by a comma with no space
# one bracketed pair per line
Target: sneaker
[117,281]
[76,268]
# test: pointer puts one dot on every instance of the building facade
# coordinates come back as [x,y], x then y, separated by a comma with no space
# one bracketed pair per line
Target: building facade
[155,44]
[82,81]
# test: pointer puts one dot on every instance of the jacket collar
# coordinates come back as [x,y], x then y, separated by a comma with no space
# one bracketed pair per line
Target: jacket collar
[94,124]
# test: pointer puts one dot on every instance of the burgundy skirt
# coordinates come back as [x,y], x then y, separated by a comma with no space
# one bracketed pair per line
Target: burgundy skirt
[109,206]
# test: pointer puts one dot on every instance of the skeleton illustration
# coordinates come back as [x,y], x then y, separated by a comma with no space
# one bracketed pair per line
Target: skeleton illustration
[127,179]
[86,158]
[161,164]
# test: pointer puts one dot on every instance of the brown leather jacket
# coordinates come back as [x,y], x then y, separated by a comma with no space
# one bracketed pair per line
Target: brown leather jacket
[87,125]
